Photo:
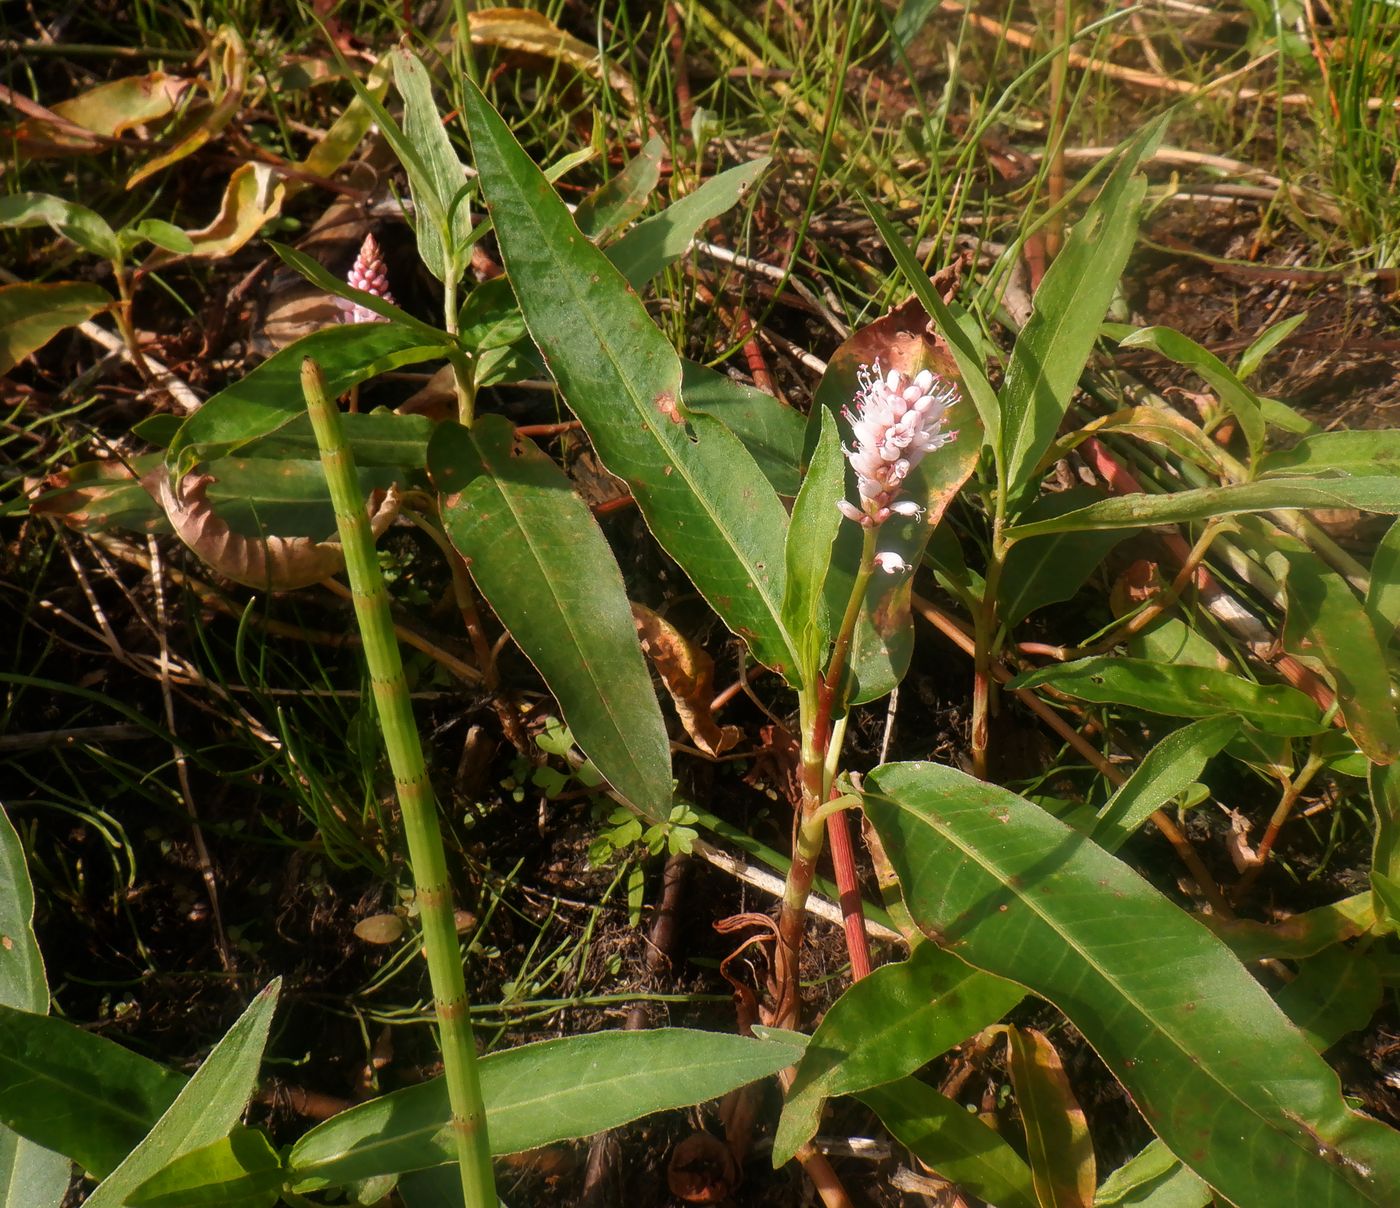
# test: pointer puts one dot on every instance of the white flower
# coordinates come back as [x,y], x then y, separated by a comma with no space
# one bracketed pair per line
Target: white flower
[370,274]
[890,562]
[897,420]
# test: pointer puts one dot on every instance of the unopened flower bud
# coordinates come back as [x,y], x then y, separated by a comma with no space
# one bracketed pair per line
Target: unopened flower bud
[370,274]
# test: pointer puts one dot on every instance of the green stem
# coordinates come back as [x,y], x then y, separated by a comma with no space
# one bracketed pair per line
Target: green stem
[463,379]
[815,706]
[415,792]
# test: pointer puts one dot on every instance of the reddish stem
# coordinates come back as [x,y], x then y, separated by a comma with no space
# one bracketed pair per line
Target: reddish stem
[843,859]
[838,834]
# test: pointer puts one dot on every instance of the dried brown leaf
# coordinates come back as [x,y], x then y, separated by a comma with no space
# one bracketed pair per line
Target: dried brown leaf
[268,563]
[688,674]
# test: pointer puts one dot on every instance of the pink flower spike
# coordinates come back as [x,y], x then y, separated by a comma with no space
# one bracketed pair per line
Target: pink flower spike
[890,562]
[897,419]
[370,274]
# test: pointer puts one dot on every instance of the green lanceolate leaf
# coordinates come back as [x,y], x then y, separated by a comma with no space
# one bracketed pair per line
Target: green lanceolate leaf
[699,489]
[1362,454]
[1155,426]
[1269,339]
[1385,849]
[769,429]
[30,1175]
[1239,398]
[241,1170]
[31,315]
[1057,1134]
[207,1107]
[613,205]
[952,1141]
[270,396]
[1170,768]
[436,177]
[665,237]
[74,222]
[379,440]
[888,1025]
[164,235]
[812,529]
[1336,992]
[1050,353]
[22,982]
[77,1093]
[1180,691]
[535,1095]
[1383,595]
[542,562]
[1327,628]
[1211,1062]
[1153,1179]
[1273,494]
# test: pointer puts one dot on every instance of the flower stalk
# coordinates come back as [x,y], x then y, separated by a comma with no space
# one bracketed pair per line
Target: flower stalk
[417,803]
[897,421]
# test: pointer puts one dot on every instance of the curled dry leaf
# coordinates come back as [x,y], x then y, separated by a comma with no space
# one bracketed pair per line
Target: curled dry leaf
[527,32]
[689,674]
[252,197]
[271,563]
[1141,582]
[702,1170]
[106,112]
[228,58]
[96,495]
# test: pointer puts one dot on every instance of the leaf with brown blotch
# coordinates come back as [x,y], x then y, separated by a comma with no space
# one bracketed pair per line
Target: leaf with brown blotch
[688,674]
[268,563]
